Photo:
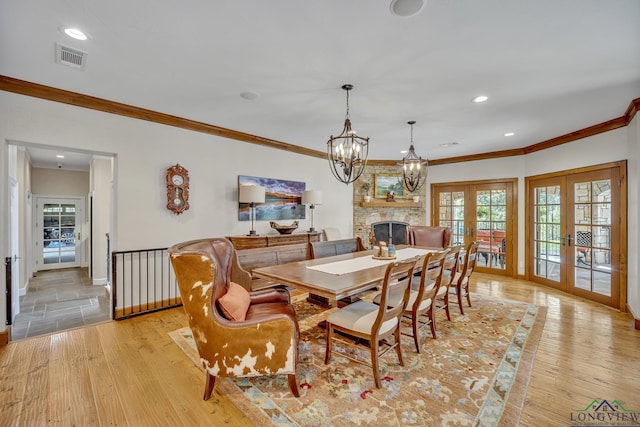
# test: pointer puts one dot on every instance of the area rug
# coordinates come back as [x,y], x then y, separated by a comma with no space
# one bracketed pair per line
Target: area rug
[475,373]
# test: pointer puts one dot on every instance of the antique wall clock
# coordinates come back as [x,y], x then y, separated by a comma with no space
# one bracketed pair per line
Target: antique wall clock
[177,179]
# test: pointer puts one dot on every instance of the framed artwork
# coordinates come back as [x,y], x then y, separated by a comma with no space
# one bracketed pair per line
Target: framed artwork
[384,183]
[282,199]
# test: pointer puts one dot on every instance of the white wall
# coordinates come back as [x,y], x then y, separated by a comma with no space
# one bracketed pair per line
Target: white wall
[56,182]
[102,193]
[24,188]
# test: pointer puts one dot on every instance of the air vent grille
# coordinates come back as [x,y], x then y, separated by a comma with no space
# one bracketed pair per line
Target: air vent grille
[71,57]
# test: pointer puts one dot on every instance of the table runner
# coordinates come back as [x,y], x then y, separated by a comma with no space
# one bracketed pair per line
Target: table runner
[362,263]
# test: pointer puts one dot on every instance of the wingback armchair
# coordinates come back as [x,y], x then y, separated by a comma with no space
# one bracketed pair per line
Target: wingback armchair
[264,343]
[433,237]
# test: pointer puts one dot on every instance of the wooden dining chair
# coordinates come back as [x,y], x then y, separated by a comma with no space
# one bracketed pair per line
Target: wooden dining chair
[449,271]
[375,324]
[423,310]
[460,284]
[420,306]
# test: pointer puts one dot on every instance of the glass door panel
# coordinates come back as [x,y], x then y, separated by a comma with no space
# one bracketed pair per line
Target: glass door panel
[59,230]
[574,238]
[478,211]
[491,226]
[451,214]
[546,238]
[593,272]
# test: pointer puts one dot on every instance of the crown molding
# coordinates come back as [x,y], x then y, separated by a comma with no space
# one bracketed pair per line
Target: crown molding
[49,93]
[634,107]
[573,136]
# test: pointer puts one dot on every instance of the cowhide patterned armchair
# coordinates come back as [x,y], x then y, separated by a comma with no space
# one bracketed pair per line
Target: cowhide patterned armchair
[264,343]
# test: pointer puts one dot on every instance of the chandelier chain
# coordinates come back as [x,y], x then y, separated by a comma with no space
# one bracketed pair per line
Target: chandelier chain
[347,116]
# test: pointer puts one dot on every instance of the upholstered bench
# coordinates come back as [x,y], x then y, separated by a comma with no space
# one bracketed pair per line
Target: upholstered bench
[245,260]
[331,248]
[335,247]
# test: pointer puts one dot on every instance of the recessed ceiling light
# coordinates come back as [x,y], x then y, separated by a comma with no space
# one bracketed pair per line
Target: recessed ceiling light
[249,96]
[449,144]
[480,98]
[60,156]
[404,151]
[509,134]
[406,7]
[75,33]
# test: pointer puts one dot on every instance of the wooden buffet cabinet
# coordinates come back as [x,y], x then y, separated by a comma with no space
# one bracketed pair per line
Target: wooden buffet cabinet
[266,240]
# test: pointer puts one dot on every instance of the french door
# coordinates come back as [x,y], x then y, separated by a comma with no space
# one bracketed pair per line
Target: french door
[575,232]
[481,211]
[57,227]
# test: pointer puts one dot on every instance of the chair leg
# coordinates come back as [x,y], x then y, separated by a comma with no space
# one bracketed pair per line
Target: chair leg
[415,325]
[208,387]
[432,323]
[446,305]
[468,297]
[398,346]
[293,385]
[328,349]
[374,361]
[460,300]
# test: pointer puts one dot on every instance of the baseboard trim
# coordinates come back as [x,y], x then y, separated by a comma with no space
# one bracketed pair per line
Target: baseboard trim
[636,319]
[102,281]
[5,336]
[149,307]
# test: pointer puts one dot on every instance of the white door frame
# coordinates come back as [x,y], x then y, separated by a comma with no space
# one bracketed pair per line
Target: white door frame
[14,242]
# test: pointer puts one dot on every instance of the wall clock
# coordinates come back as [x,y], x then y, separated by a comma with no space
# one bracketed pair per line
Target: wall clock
[177,179]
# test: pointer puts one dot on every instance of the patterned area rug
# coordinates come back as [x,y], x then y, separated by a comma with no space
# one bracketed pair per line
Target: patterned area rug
[475,373]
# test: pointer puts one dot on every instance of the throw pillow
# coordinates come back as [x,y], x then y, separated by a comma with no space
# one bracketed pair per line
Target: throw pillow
[235,302]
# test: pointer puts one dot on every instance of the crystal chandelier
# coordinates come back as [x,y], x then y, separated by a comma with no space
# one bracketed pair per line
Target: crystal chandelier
[347,152]
[412,166]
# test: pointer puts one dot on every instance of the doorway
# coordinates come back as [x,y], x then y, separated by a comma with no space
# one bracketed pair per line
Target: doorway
[576,232]
[54,290]
[58,225]
[484,211]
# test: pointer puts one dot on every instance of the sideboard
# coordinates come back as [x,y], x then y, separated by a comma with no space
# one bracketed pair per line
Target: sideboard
[266,240]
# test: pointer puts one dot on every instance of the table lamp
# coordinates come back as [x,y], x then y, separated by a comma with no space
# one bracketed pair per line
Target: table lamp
[312,198]
[251,194]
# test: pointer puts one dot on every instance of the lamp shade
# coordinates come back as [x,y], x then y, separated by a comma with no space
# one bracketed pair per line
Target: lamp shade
[312,197]
[251,194]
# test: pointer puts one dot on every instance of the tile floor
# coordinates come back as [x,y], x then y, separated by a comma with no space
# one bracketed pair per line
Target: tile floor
[57,300]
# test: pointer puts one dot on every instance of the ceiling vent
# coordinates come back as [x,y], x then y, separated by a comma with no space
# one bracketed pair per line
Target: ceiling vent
[71,57]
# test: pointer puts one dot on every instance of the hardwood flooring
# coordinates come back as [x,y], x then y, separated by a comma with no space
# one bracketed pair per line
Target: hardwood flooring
[130,373]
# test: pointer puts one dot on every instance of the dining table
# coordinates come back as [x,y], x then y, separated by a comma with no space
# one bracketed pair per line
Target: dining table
[339,276]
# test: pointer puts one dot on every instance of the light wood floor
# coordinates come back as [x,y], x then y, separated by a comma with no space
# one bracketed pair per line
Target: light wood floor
[129,373]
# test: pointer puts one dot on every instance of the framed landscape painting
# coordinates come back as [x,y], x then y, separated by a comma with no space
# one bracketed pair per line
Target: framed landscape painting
[384,183]
[282,199]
